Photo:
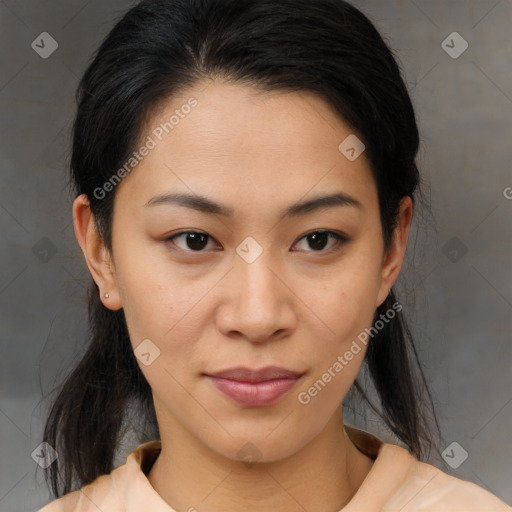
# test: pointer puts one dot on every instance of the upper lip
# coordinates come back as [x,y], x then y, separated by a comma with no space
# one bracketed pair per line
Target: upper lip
[244,374]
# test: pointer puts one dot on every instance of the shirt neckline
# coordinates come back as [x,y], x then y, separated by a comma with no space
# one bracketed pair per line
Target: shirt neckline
[141,461]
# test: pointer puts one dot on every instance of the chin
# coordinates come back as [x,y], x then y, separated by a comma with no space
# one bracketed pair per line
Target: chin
[252,446]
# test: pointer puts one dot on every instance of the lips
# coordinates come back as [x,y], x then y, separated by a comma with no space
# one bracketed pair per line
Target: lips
[255,388]
[243,374]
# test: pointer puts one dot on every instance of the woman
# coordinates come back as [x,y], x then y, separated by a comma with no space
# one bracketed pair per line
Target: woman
[245,179]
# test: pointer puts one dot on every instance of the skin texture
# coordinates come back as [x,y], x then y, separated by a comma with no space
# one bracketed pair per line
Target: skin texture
[298,306]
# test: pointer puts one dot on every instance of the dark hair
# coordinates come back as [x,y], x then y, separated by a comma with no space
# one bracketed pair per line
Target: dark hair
[160,47]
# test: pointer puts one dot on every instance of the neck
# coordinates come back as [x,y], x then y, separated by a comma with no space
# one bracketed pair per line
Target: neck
[188,475]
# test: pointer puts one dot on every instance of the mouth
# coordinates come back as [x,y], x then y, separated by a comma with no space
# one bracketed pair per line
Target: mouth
[255,388]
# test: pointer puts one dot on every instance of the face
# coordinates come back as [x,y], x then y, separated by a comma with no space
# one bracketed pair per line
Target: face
[254,280]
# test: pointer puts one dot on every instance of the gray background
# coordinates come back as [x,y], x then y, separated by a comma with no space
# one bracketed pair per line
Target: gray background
[456,285]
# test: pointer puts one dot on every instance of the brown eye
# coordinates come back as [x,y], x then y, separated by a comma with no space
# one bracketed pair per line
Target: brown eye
[318,240]
[192,241]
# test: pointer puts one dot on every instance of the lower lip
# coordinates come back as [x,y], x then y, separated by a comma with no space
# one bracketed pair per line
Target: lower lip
[254,394]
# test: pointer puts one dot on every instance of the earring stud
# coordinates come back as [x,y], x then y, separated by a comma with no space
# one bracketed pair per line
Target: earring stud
[106,295]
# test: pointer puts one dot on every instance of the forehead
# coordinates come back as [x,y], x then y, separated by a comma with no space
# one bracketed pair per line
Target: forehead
[238,139]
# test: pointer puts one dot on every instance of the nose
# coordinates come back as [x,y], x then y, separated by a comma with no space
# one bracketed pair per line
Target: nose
[257,304]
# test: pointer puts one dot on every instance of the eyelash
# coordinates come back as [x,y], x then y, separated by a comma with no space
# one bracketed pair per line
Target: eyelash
[341,239]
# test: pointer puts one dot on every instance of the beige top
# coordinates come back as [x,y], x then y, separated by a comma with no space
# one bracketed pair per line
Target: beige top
[397,482]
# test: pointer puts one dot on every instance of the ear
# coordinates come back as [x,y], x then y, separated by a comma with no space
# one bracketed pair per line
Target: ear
[394,257]
[96,255]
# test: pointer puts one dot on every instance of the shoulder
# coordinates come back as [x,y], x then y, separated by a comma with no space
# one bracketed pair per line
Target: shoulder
[109,492]
[398,481]
[427,488]
[82,500]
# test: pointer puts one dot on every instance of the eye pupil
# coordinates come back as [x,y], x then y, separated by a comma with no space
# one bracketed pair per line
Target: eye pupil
[318,240]
[196,241]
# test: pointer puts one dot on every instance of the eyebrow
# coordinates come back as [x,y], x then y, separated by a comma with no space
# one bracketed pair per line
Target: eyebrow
[208,206]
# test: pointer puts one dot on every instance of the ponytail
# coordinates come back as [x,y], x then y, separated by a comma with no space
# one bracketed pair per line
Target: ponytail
[85,422]
[392,363]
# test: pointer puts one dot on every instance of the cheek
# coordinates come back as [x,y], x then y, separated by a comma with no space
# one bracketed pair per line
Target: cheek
[345,303]
[165,306]
[148,300]
[345,299]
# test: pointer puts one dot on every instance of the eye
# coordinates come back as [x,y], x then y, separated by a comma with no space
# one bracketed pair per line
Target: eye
[194,241]
[319,239]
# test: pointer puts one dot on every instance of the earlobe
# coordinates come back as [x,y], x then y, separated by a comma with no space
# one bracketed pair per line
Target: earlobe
[96,254]
[395,255]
